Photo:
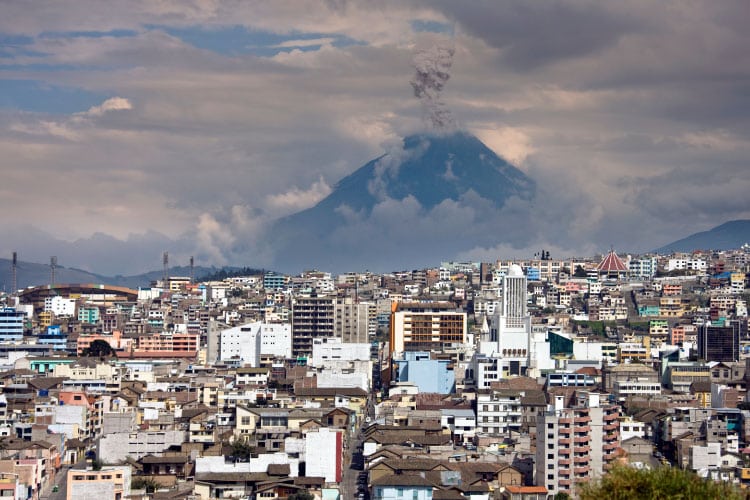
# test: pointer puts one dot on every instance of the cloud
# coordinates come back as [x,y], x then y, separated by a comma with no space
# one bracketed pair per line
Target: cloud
[297,199]
[632,117]
[111,104]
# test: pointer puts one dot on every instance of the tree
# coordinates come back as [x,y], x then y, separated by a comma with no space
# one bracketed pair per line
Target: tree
[144,483]
[580,272]
[241,450]
[100,348]
[624,482]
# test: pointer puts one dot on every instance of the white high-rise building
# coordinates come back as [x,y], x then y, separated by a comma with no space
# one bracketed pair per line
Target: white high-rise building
[248,342]
[508,341]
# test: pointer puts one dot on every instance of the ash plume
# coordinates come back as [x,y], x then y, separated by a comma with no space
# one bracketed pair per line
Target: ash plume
[432,72]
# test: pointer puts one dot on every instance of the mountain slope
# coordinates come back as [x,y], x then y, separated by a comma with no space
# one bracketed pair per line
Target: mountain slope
[33,274]
[732,234]
[397,206]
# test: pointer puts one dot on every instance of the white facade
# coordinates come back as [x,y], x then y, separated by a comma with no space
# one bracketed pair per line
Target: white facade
[323,453]
[509,339]
[250,341]
[332,349]
[498,413]
[60,306]
[686,265]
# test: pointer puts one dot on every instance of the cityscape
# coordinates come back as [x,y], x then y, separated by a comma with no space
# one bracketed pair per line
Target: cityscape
[512,379]
[374,250]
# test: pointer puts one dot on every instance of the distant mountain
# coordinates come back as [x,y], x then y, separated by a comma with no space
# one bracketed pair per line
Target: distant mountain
[732,234]
[409,205]
[33,274]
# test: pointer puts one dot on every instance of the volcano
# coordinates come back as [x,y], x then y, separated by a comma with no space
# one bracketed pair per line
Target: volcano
[415,205]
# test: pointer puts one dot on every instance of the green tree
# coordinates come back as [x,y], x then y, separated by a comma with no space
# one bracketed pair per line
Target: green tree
[241,450]
[662,483]
[100,348]
[144,483]
[580,272]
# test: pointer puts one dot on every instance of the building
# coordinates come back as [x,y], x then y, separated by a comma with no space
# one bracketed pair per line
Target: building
[499,412]
[108,483]
[429,375]
[312,318]
[426,327]
[719,343]
[356,321]
[509,339]
[575,445]
[11,324]
[248,343]
[324,454]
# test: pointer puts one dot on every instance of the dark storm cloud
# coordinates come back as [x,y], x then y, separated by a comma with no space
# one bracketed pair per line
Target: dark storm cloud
[535,33]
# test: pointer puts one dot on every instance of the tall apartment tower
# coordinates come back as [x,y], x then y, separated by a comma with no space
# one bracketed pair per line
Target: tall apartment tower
[508,342]
[312,317]
[575,445]
[355,321]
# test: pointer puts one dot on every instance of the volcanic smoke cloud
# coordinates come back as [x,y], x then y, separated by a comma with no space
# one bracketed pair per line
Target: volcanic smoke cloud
[433,66]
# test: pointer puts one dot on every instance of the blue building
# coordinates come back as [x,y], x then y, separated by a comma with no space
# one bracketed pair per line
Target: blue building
[273,281]
[533,274]
[11,324]
[429,375]
[54,337]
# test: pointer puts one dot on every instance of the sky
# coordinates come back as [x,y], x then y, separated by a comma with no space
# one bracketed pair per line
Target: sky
[130,128]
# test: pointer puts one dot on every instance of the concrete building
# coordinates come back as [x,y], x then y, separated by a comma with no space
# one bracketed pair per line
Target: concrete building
[575,445]
[11,324]
[429,375]
[426,327]
[116,447]
[499,412]
[248,343]
[719,343]
[509,341]
[324,454]
[108,483]
[356,322]
[312,317]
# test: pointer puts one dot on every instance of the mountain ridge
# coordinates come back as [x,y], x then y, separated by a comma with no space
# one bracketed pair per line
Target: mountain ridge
[726,236]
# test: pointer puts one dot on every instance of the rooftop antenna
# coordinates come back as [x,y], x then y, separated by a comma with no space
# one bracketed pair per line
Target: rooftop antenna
[192,269]
[52,268]
[14,272]
[165,260]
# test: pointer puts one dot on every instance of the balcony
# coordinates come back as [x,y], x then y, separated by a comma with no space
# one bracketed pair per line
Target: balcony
[582,420]
[583,428]
[564,482]
[562,462]
[611,427]
[581,440]
[581,470]
[564,441]
[582,449]
[564,431]
[581,460]
[565,421]
[611,417]
[610,446]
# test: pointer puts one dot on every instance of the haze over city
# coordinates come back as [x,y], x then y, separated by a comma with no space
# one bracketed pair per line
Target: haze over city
[133,128]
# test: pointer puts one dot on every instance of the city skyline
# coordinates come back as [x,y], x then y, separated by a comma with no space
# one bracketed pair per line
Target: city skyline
[132,129]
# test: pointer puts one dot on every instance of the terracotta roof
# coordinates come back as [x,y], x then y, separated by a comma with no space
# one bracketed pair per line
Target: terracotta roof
[612,263]
[512,488]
